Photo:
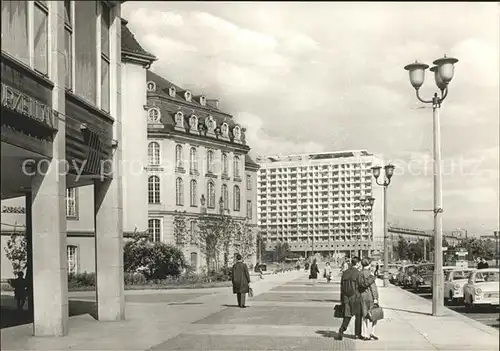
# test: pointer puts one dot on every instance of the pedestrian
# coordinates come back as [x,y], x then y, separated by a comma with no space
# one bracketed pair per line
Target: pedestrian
[240,280]
[369,297]
[297,265]
[20,290]
[350,297]
[377,268]
[313,273]
[345,266]
[328,272]
[482,263]
[306,266]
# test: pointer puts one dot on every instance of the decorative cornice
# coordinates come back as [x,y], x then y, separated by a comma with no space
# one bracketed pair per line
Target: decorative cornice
[143,60]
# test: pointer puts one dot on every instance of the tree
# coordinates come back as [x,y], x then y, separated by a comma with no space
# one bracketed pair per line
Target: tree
[17,252]
[246,243]
[402,248]
[281,252]
[180,229]
[479,248]
[416,250]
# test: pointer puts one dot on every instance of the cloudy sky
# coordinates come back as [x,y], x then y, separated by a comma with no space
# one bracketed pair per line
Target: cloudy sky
[310,77]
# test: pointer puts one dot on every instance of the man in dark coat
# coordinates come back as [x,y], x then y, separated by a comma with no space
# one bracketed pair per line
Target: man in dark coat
[350,297]
[241,280]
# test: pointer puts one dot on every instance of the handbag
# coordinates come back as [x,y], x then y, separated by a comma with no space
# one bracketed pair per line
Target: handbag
[338,311]
[376,313]
[250,292]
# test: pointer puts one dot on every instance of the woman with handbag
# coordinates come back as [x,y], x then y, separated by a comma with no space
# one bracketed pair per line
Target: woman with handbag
[369,301]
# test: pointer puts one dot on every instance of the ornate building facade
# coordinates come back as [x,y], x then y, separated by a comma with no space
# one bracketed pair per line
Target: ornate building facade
[198,165]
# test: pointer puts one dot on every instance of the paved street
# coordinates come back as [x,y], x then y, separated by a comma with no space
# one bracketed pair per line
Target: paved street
[287,313]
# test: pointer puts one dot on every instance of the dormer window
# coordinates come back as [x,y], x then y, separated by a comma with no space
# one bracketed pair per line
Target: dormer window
[187,96]
[203,100]
[171,91]
[224,130]
[193,123]
[179,120]
[151,86]
[154,115]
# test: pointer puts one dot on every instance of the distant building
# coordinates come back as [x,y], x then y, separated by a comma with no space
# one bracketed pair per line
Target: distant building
[312,202]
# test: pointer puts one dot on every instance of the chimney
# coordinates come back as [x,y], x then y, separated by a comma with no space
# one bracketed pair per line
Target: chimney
[213,103]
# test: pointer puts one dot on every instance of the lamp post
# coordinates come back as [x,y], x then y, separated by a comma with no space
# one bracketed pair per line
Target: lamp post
[443,74]
[367,206]
[389,171]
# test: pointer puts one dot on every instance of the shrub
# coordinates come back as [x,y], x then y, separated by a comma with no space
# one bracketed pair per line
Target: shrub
[134,279]
[81,280]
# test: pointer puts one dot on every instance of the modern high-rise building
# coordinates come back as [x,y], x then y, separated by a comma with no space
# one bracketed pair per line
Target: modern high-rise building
[314,202]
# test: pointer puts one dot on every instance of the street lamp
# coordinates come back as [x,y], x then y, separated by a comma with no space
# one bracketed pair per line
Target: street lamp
[389,172]
[443,74]
[367,206]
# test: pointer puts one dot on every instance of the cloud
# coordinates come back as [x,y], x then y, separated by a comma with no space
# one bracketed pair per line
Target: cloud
[329,76]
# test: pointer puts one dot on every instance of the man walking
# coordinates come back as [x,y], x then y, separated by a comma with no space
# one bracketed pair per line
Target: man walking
[240,280]
[350,297]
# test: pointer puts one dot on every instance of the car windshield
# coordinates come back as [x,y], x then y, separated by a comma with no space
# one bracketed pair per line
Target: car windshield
[426,269]
[460,275]
[411,269]
[487,277]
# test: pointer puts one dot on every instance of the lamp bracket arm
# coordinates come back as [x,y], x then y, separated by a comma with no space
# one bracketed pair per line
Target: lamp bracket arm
[381,184]
[422,100]
[444,94]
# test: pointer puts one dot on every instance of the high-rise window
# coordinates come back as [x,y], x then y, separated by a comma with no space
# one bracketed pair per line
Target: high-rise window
[236,162]
[105,24]
[193,159]
[178,156]
[179,192]
[153,153]
[210,161]
[225,164]
[17,37]
[72,258]
[211,194]
[68,43]
[154,190]
[154,227]
[225,196]
[236,198]
[192,192]
[71,204]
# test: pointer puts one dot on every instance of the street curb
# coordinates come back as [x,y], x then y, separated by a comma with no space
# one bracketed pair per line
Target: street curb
[478,325]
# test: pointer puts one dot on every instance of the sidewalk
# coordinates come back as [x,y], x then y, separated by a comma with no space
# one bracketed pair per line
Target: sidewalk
[151,319]
[452,331]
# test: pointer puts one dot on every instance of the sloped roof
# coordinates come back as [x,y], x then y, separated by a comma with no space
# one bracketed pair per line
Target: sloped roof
[130,45]
[251,163]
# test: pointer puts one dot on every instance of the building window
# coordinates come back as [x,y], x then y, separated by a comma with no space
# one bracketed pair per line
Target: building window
[236,198]
[17,34]
[154,190]
[194,260]
[179,192]
[105,24]
[178,156]
[151,86]
[225,196]
[192,192]
[68,43]
[72,257]
[211,195]
[236,166]
[154,115]
[210,161]
[154,227]
[154,153]
[85,54]
[71,208]
[193,159]
[249,209]
[249,182]
[192,231]
[225,164]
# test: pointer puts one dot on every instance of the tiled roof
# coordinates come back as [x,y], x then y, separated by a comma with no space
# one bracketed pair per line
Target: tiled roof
[250,162]
[171,105]
[131,45]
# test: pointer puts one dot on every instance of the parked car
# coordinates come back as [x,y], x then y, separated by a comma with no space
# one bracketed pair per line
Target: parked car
[404,276]
[454,281]
[422,278]
[482,288]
